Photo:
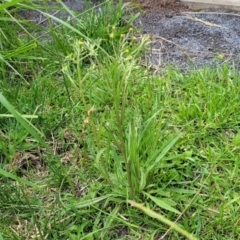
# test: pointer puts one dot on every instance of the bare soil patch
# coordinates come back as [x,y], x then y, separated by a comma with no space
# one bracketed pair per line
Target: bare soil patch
[162,5]
[192,39]
[180,37]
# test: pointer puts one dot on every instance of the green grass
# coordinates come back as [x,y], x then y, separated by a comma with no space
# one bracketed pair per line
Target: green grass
[94,146]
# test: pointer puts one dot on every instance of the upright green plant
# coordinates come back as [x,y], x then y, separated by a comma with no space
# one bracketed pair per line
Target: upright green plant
[125,131]
[128,163]
[128,145]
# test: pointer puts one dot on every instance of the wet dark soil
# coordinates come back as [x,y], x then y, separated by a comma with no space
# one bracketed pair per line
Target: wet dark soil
[182,37]
[162,5]
[192,38]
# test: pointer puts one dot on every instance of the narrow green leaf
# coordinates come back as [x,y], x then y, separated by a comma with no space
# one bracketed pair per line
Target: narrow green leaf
[182,191]
[163,219]
[10,66]
[143,179]
[24,122]
[9,4]
[162,204]
[20,50]
[150,166]
[23,115]
[88,203]
[63,23]
[16,178]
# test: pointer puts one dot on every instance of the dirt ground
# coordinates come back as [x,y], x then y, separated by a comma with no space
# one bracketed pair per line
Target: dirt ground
[182,37]
[162,5]
[190,39]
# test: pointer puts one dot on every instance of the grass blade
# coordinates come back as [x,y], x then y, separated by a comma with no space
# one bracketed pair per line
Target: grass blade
[89,202]
[23,115]
[9,4]
[162,204]
[16,178]
[24,122]
[162,154]
[163,219]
